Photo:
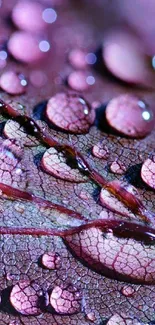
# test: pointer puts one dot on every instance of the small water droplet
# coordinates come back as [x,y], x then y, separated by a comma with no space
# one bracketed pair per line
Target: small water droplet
[51,260]
[66,299]
[91,316]
[100,151]
[19,207]
[128,291]
[77,58]
[118,167]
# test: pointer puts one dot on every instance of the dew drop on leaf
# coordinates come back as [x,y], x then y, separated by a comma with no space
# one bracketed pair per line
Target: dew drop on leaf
[51,260]
[130,116]
[148,172]
[13,83]
[66,299]
[70,112]
[100,151]
[128,291]
[56,164]
[117,167]
[25,297]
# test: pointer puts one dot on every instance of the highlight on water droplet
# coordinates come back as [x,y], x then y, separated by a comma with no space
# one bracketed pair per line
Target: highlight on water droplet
[49,15]
[80,80]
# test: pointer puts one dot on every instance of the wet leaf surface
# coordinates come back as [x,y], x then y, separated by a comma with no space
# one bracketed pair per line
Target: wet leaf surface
[20,255]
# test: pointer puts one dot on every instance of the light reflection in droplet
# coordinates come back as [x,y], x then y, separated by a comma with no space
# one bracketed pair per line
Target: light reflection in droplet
[90,80]
[44,46]
[91,58]
[3,55]
[146,115]
[49,15]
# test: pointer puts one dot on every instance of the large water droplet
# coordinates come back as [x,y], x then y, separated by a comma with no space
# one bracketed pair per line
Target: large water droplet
[58,164]
[70,112]
[27,16]
[66,299]
[26,298]
[25,47]
[130,116]
[123,55]
[51,260]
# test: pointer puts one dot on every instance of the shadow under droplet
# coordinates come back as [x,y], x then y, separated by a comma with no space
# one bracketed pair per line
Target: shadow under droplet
[5,305]
[133,176]
[39,109]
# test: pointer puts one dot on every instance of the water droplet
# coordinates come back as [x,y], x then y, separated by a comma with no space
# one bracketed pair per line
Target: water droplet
[13,83]
[130,116]
[25,298]
[49,15]
[51,260]
[148,172]
[27,16]
[70,112]
[77,80]
[84,195]
[118,167]
[123,55]
[3,55]
[57,163]
[38,78]
[77,59]
[100,151]
[91,317]
[128,291]
[44,46]
[24,47]
[66,299]
[19,207]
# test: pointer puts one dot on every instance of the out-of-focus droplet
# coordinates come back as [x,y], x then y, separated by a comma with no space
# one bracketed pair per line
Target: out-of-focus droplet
[148,172]
[91,58]
[27,15]
[66,299]
[80,80]
[124,57]
[51,260]
[70,112]
[24,47]
[25,297]
[13,83]
[49,15]
[130,116]
[77,58]
[38,78]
